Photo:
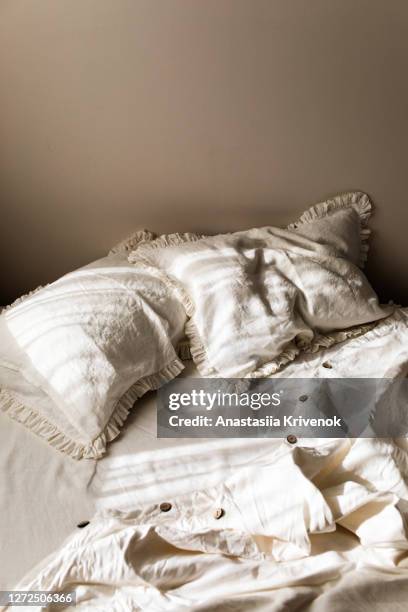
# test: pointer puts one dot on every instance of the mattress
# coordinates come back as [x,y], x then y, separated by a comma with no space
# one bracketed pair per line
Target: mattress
[45,494]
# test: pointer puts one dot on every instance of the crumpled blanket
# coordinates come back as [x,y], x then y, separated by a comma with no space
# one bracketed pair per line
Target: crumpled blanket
[316,526]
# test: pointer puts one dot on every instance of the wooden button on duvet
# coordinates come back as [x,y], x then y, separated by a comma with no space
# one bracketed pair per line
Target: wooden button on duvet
[291,439]
[327,364]
[219,513]
[303,398]
[83,524]
[165,507]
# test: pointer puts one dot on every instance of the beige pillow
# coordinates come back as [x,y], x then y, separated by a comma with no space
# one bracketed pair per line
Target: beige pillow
[256,298]
[93,341]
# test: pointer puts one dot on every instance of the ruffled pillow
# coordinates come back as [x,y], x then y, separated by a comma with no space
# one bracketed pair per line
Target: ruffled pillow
[93,341]
[256,298]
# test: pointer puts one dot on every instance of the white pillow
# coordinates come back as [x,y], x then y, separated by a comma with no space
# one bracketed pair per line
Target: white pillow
[257,298]
[94,341]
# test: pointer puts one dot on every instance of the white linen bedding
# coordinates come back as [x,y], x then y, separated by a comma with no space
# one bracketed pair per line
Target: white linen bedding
[94,341]
[257,298]
[272,548]
[140,470]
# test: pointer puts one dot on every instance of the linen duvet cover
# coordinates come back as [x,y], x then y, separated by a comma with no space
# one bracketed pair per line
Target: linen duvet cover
[305,528]
[319,525]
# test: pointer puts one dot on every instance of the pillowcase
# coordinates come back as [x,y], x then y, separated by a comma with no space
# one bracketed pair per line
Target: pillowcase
[93,341]
[257,298]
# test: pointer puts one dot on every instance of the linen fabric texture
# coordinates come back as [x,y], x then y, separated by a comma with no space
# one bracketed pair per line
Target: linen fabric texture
[306,527]
[256,299]
[94,341]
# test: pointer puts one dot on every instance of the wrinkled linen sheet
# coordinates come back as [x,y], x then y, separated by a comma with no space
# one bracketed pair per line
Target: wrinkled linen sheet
[318,526]
[300,528]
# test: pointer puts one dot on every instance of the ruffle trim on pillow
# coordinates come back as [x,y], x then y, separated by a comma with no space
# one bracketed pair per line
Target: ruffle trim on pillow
[357,200]
[324,341]
[183,350]
[43,428]
[23,298]
[132,241]
[166,240]
[198,351]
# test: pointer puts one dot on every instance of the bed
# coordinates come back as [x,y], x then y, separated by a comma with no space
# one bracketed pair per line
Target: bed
[141,469]
[179,524]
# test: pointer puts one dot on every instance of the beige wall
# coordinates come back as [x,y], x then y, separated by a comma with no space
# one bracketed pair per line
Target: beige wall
[196,115]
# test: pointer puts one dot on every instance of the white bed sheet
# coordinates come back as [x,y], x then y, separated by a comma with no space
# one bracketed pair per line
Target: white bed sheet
[44,494]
